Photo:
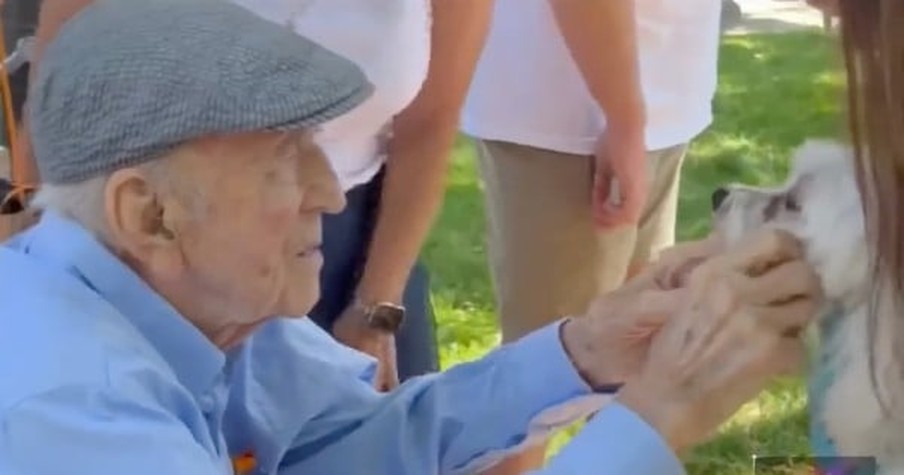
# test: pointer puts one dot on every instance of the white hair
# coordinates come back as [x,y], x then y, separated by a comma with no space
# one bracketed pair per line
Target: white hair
[83,202]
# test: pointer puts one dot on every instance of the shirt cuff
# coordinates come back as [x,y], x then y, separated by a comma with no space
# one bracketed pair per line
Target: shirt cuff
[542,353]
[620,440]
[546,392]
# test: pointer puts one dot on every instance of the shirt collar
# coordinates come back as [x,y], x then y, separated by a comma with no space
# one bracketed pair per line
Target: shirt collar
[196,361]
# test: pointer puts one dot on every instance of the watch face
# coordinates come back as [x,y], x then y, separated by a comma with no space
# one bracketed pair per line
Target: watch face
[387,317]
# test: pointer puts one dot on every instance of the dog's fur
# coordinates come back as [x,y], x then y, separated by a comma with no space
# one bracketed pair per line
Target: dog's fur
[820,205]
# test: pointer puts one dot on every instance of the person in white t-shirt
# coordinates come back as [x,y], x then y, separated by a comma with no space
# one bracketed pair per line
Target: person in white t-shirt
[390,155]
[581,144]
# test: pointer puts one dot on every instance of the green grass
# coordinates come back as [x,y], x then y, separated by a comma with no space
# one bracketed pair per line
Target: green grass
[774,91]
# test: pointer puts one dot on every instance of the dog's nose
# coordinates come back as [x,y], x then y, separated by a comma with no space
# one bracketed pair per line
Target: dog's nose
[718,197]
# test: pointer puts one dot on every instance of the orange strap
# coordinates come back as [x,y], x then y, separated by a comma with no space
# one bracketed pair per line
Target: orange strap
[244,464]
[9,118]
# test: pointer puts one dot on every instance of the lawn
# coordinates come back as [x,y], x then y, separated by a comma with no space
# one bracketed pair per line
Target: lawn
[775,91]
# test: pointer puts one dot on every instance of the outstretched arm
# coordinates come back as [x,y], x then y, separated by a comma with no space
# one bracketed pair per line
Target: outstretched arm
[327,418]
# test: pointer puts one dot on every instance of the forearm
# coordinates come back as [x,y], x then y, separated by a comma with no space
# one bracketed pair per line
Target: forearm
[412,195]
[601,36]
[616,441]
[423,135]
[448,423]
[469,418]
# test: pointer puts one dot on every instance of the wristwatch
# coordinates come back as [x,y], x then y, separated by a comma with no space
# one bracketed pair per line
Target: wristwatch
[383,316]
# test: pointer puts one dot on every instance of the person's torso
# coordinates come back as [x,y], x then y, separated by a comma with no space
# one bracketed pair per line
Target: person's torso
[528,90]
[75,319]
[59,336]
[390,41]
[65,346]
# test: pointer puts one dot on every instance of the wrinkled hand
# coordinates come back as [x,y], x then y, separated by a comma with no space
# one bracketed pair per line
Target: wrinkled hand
[351,329]
[620,179]
[675,265]
[610,344]
[739,328]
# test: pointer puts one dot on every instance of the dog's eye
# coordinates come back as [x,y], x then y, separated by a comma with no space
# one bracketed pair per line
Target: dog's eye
[791,203]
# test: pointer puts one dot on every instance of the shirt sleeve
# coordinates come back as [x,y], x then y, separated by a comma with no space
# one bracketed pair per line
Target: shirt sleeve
[323,420]
[86,431]
[616,441]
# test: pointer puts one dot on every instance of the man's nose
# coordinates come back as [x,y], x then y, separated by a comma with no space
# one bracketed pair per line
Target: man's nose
[718,197]
[332,198]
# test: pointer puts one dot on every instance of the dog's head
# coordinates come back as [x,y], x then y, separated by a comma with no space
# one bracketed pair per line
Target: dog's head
[820,205]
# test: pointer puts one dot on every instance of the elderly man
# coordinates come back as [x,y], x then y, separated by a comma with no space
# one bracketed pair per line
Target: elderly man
[183,200]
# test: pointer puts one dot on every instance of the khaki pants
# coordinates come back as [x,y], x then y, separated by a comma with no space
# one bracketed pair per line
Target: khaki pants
[547,258]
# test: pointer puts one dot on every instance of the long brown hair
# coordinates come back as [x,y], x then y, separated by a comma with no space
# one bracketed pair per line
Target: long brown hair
[872,34]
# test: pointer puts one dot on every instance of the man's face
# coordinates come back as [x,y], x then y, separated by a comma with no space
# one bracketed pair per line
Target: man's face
[252,245]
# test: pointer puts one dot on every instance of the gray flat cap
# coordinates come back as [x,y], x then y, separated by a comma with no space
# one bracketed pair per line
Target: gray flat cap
[128,80]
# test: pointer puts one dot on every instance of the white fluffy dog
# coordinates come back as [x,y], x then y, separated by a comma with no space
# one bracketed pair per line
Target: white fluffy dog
[821,206]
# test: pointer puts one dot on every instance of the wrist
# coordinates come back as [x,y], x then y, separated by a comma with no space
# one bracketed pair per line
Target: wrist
[381,316]
[368,294]
[627,127]
[579,337]
[650,405]
[627,117]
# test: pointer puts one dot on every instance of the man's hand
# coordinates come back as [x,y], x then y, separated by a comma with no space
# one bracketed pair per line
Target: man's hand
[610,343]
[675,265]
[737,329]
[620,179]
[352,330]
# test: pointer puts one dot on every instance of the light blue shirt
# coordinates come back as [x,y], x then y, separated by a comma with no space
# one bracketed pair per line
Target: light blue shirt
[102,376]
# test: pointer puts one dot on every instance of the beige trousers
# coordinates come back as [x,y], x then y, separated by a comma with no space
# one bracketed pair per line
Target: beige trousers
[547,258]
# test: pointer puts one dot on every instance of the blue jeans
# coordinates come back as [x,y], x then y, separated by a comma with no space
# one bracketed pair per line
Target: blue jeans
[346,238]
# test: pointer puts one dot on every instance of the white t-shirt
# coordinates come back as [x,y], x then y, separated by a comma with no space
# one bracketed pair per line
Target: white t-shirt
[390,41]
[528,90]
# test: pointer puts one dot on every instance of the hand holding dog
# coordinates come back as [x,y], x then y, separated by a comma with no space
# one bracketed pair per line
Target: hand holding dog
[738,326]
[610,344]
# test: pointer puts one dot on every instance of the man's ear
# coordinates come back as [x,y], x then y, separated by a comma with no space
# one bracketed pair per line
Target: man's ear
[136,216]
